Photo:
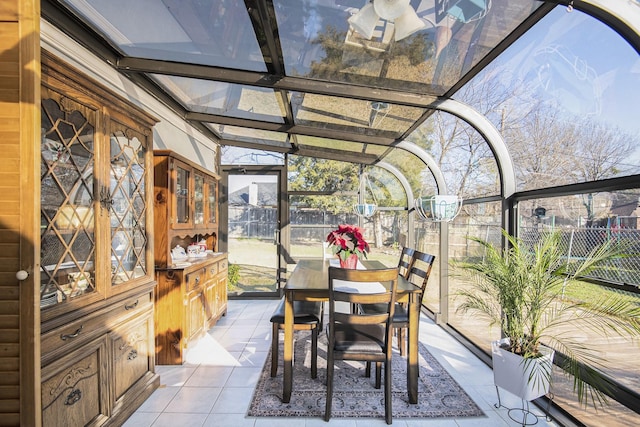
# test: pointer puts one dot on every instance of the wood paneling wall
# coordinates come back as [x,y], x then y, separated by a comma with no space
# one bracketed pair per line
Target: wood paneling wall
[19,216]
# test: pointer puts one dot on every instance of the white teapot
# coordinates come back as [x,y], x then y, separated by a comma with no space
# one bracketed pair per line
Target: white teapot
[178,253]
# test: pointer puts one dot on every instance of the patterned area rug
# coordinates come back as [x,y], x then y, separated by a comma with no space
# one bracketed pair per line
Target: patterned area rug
[439,395]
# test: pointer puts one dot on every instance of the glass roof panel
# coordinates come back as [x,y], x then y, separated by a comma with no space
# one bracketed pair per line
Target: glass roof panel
[317,41]
[334,144]
[246,156]
[332,112]
[338,144]
[385,190]
[251,136]
[565,96]
[463,155]
[414,170]
[216,32]
[225,99]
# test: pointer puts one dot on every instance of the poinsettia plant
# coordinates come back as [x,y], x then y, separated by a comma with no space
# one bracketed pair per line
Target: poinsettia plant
[348,240]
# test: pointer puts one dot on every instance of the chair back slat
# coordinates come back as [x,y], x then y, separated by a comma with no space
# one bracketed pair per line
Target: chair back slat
[356,335]
[421,270]
[405,261]
[359,319]
[387,277]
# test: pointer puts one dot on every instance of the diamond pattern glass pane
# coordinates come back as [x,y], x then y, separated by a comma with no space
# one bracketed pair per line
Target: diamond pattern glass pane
[198,199]
[67,213]
[128,209]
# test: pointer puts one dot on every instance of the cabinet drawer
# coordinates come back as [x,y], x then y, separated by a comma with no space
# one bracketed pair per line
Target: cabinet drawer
[222,264]
[131,306]
[211,270]
[195,279]
[130,346]
[73,388]
[65,338]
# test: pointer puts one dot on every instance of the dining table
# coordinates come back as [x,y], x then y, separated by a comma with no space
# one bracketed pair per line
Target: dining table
[309,281]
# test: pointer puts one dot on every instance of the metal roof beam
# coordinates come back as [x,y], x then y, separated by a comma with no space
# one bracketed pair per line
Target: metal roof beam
[295,84]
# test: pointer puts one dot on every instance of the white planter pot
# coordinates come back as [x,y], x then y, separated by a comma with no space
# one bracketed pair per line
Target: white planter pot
[527,379]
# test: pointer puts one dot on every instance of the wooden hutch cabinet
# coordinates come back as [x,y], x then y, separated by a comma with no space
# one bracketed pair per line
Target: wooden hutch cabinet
[192,292]
[96,271]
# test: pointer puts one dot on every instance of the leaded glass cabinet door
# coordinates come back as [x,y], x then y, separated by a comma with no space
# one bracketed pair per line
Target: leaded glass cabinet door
[198,199]
[94,205]
[127,203]
[182,193]
[67,214]
[212,202]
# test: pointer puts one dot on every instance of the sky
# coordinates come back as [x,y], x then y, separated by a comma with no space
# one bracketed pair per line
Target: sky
[582,63]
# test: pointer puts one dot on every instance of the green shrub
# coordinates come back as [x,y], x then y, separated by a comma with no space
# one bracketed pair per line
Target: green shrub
[233,276]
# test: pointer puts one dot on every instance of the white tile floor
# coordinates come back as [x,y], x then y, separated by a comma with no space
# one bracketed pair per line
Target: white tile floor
[216,384]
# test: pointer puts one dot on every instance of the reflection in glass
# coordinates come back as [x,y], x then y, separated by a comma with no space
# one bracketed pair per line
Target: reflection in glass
[128,208]
[225,99]
[182,195]
[332,112]
[198,199]
[245,156]
[567,114]
[217,32]
[212,201]
[66,205]
[317,42]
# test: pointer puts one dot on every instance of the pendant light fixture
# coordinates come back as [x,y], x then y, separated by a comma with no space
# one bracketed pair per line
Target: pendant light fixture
[405,19]
[438,208]
[365,209]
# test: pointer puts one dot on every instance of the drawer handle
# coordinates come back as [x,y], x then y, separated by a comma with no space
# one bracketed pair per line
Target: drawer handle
[131,306]
[132,355]
[197,280]
[65,337]
[73,397]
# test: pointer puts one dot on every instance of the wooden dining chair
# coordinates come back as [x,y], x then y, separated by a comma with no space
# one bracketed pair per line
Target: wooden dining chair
[405,261]
[418,274]
[359,336]
[308,315]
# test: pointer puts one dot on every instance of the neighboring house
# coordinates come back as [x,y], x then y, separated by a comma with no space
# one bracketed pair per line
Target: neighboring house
[263,194]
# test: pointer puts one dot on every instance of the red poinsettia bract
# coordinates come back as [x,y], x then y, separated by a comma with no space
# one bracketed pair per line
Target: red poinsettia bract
[348,240]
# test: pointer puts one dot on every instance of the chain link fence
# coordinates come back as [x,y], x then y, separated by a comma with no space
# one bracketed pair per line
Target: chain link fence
[579,242]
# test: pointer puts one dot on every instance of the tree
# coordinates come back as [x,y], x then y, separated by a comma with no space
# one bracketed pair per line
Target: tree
[320,175]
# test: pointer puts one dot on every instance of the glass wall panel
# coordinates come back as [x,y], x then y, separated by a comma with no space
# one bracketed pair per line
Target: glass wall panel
[585,221]
[414,170]
[463,155]
[427,239]
[565,96]
[310,224]
[322,195]
[481,220]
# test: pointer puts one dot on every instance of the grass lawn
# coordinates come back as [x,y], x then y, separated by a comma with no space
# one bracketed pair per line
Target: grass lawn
[257,261]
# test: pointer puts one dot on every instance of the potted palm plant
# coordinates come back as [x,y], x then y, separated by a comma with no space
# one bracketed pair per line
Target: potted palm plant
[520,289]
